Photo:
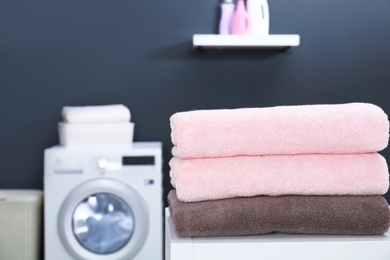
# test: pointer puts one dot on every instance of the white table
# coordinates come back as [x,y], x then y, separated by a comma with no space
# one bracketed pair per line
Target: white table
[275,247]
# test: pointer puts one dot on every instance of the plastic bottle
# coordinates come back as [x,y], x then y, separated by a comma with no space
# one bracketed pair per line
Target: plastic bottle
[240,21]
[258,12]
[227,11]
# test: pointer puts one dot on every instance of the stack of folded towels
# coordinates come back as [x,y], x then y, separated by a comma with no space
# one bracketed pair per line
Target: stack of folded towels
[96,125]
[310,169]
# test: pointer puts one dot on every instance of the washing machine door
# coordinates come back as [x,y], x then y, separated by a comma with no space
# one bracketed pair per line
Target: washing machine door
[103,219]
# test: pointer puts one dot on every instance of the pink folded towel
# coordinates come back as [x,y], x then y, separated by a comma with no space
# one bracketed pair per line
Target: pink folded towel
[342,128]
[246,176]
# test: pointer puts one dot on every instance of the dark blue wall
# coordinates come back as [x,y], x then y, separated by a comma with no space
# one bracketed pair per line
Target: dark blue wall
[138,53]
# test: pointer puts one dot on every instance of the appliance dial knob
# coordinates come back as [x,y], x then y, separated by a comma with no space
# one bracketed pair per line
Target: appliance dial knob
[102,163]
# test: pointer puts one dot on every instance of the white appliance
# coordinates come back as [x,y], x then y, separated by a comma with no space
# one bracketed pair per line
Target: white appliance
[275,246]
[103,202]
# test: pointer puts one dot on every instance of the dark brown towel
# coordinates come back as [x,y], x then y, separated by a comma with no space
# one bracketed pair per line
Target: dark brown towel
[338,215]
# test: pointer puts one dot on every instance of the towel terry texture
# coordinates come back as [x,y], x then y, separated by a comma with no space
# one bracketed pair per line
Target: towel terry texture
[337,215]
[95,114]
[312,174]
[306,129]
[96,125]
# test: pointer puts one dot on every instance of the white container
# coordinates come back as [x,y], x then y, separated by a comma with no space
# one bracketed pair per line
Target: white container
[96,134]
[21,224]
[258,12]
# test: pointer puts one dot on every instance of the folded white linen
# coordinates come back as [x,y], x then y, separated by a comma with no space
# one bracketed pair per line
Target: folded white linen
[95,134]
[95,114]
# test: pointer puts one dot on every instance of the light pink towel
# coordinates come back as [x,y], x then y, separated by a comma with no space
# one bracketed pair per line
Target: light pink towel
[313,174]
[342,128]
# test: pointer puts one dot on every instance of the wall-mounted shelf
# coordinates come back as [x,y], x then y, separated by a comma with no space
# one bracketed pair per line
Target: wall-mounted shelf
[272,41]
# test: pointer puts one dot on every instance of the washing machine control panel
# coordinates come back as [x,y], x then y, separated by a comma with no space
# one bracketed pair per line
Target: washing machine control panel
[102,163]
[138,160]
[83,161]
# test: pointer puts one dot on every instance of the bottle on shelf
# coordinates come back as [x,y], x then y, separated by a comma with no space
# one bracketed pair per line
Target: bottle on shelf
[227,11]
[240,21]
[258,12]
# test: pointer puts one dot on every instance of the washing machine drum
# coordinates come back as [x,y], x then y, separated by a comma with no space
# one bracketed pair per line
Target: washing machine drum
[103,219]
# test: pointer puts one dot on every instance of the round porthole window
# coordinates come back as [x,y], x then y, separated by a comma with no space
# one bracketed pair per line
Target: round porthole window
[103,223]
[103,219]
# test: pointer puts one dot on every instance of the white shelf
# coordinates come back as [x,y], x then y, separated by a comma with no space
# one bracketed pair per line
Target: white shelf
[272,41]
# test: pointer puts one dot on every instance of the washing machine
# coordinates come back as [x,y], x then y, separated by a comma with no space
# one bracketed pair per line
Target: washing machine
[103,203]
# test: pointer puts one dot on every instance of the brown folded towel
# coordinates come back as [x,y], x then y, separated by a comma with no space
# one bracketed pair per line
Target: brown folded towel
[337,215]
